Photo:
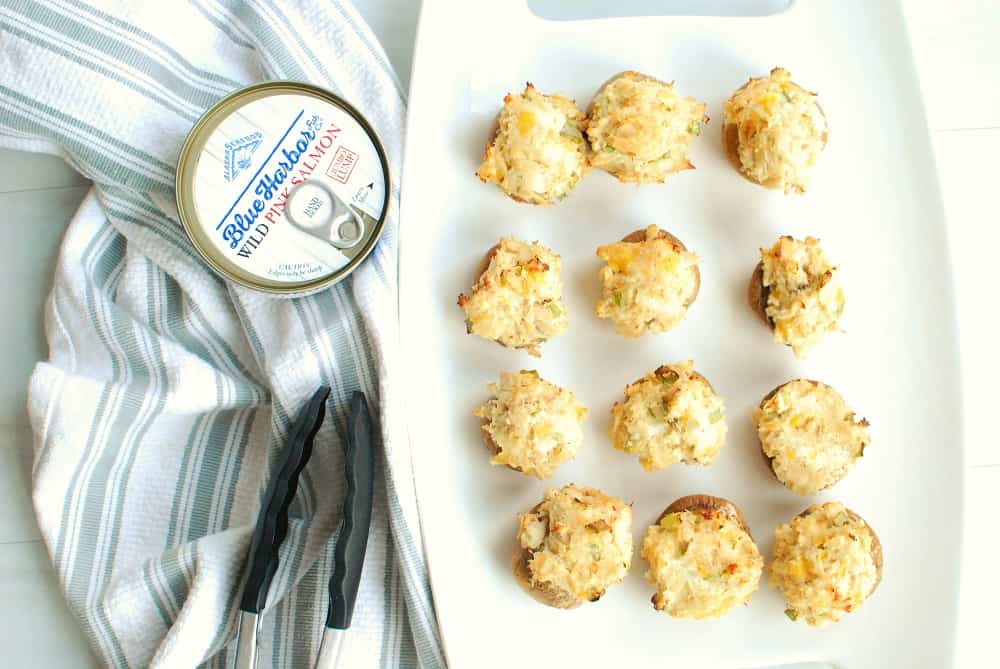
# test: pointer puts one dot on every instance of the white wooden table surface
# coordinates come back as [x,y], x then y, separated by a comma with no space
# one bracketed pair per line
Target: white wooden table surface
[957,48]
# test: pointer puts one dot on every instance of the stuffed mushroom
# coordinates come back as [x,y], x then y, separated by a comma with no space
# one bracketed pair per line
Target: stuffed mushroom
[649,281]
[774,131]
[670,415]
[529,424]
[796,291]
[702,558]
[572,546]
[640,129]
[537,153]
[517,300]
[827,562]
[809,436]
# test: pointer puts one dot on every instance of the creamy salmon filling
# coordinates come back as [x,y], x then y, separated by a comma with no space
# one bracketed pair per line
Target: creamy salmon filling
[640,129]
[647,285]
[533,425]
[518,299]
[810,434]
[670,415]
[823,564]
[804,297]
[781,129]
[702,563]
[580,541]
[538,154]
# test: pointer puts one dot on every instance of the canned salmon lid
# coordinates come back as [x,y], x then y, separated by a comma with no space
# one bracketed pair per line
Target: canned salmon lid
[283,187]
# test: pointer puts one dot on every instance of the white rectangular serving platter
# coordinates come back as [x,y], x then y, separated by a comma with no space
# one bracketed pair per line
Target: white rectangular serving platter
[876,208]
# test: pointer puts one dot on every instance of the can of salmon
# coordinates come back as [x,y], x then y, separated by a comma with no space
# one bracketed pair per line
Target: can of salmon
[283,187]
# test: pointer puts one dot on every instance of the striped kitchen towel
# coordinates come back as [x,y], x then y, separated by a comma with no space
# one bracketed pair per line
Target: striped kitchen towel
[168,394]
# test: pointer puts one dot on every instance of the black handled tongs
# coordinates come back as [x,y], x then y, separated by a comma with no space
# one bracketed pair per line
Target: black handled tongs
[349,555]
[272,526]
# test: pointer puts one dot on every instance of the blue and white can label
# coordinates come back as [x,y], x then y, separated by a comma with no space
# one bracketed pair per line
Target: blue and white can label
[285,188]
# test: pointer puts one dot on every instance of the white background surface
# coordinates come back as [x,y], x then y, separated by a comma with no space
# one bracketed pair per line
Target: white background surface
[957,48]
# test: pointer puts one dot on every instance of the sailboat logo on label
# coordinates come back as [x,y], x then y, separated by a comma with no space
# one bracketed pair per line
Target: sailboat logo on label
[239,153]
